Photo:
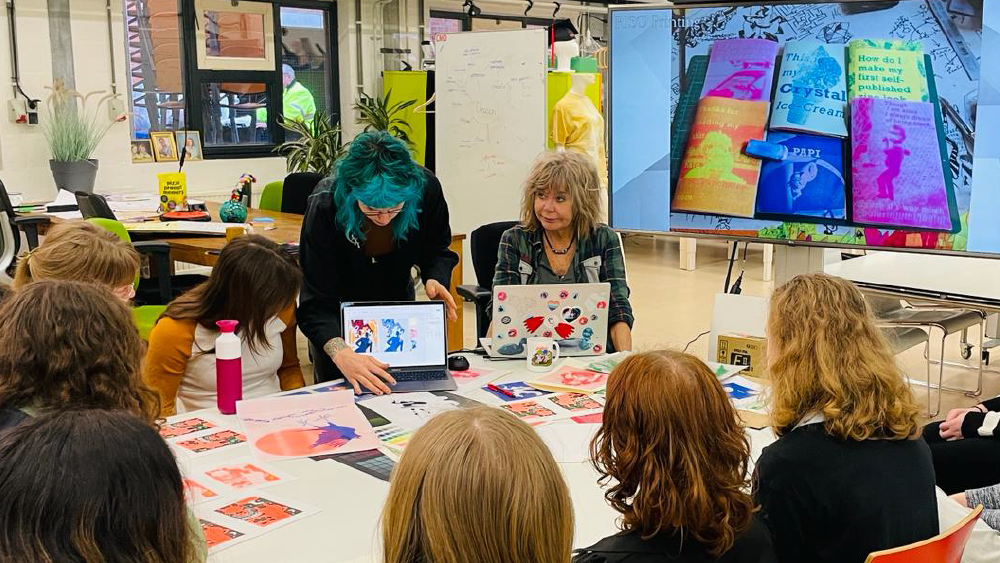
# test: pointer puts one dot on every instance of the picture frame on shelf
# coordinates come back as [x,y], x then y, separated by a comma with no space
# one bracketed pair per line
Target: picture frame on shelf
[164,146]
[142,151]
[191,140]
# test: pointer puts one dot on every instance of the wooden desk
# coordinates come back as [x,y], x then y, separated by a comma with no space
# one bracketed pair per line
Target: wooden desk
[288,226]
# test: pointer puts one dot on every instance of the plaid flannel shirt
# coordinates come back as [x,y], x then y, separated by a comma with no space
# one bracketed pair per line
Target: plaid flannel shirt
[598,258]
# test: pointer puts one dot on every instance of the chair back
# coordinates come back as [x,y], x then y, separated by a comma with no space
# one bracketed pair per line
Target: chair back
[94,205]
[8,208]
[296,190]
[8,250]
[270,198]
[947,547]
[119,230]
[484,243]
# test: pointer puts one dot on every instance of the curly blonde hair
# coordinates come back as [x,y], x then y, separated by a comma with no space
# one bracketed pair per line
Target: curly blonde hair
[571,173]
[826,355]
[674,451]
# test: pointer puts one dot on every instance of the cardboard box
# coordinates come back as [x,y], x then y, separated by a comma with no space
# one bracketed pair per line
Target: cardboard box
[744,350]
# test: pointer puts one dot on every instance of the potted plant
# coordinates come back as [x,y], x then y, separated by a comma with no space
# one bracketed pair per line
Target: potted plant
[317,147]
[380,114]
[74,130]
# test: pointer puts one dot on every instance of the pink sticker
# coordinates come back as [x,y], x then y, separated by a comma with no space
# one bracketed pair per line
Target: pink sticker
[598,348]
[547,334]
[512,332]
[563,294]
[583,320]
[501,296]
[602,305]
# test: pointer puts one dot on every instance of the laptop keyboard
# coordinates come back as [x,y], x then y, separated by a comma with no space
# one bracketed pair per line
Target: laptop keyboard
[428,375]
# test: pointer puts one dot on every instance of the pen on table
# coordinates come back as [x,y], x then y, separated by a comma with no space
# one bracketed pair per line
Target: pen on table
[501,390]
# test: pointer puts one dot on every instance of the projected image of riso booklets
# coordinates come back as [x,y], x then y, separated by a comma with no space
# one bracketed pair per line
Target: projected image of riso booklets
[833,123]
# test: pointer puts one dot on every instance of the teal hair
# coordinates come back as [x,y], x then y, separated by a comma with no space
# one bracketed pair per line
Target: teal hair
[378,172]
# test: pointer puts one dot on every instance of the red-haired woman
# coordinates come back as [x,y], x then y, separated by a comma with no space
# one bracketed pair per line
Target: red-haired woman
[677,456]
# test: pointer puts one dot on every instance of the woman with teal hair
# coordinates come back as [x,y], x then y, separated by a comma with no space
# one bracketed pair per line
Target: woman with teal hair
[366,227]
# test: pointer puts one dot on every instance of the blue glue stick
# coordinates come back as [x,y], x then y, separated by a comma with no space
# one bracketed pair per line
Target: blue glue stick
[762,149]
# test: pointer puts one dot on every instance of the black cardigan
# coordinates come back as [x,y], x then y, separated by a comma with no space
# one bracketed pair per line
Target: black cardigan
[827,500]
[753,545]
[336,270]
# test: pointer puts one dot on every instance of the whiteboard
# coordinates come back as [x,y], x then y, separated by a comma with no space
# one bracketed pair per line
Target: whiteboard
[489,123]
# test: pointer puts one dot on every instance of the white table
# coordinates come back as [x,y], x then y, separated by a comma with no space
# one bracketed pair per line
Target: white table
[347,528]
[953,280]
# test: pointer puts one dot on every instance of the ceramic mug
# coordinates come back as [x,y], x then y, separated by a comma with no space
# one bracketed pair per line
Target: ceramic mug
[542,354]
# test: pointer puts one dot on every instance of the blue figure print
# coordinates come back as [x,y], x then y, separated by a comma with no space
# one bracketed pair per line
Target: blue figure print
[394,335]
[363,343]
[334,434]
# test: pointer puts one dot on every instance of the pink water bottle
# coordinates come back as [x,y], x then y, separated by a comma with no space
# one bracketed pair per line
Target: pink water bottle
[228,367]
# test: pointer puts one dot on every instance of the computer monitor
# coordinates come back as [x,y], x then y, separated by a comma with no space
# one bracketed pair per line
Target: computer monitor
[879,132]
[401,334]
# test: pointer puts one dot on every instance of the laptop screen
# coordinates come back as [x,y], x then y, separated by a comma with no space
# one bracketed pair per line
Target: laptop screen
[400,334]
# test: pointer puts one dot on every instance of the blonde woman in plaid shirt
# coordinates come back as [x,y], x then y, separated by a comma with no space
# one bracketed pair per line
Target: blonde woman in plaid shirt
[560,238]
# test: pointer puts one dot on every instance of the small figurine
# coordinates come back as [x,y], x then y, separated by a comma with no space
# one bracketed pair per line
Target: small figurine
[235,210]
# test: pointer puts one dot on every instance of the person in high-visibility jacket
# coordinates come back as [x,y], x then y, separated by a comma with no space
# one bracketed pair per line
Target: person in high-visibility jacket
[298,103]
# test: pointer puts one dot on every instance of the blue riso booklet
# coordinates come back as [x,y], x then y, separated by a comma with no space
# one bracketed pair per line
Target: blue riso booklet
[811,94]
[808,183]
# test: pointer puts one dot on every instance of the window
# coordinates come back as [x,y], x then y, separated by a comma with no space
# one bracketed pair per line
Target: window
[229,69]
[153,55]
[234,36]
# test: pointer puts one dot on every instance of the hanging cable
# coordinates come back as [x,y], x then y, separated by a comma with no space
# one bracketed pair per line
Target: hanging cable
[14,64]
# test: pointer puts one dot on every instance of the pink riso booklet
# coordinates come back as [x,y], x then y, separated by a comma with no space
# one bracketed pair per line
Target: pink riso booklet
[896,166]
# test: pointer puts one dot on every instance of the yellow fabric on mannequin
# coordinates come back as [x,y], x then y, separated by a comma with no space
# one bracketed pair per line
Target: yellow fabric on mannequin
[577,125]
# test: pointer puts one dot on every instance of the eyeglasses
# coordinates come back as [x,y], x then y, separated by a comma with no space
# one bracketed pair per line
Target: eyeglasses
[369,212]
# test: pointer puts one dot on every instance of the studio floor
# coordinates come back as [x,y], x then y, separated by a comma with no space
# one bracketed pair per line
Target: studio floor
[673,306]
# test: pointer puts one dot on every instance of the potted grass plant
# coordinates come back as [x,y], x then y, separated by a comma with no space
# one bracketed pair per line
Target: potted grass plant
[73,128]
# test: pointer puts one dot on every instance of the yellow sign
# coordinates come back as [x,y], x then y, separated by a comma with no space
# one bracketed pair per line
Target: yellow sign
[173,191]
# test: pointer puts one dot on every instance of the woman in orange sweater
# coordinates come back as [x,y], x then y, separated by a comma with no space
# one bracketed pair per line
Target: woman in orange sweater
[254,283]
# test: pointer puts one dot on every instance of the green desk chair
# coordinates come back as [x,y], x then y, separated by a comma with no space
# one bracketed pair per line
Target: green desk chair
[144,316]
[270,198]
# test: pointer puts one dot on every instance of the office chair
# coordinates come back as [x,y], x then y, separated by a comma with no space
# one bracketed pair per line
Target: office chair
[28,225]
[163,287]
[7,252]
[290,195]
[144,315]
[94,205]
[484,243]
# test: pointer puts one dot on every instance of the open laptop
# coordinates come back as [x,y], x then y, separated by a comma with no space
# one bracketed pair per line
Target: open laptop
[574,315]
[410,336]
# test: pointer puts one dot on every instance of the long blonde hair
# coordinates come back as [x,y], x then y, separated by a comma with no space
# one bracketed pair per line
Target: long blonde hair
[79,251]
[570,172]
[826,355]
[477,485]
